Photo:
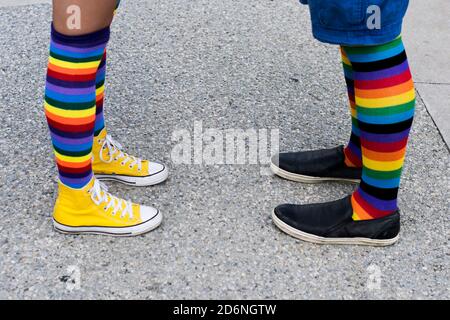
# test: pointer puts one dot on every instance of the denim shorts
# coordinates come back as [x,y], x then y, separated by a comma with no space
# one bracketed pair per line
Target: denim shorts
[356,22]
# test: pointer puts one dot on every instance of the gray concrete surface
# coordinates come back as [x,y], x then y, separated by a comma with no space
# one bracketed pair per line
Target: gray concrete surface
[11,3]
[428,42]
[436,97]
[231,64]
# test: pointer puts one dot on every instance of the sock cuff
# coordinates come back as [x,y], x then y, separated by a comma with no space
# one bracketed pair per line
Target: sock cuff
[397,43]
[86,40]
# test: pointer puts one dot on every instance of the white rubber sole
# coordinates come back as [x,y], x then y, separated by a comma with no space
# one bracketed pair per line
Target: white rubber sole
[305,179]
[133,231]
[321,240]
[151,180]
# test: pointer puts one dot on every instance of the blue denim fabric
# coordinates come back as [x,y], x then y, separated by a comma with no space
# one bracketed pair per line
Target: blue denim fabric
[345,22]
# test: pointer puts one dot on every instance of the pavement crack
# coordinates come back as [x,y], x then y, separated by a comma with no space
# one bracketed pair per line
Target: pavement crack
[434,83]
[434,122]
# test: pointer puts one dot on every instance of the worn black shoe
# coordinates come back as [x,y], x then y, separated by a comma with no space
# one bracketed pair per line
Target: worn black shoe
[315,166]
[332,223]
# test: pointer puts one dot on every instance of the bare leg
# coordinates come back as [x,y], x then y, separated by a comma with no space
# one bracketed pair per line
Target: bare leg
[93,15]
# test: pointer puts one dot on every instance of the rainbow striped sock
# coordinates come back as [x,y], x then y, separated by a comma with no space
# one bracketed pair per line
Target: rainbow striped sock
[352,151]
[70,102]
[100,82]
[385,101]
[100,96]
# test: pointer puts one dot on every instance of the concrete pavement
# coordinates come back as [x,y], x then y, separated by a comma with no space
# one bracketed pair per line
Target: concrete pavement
[13,3]
[232,64]
[428,43]
[427,38]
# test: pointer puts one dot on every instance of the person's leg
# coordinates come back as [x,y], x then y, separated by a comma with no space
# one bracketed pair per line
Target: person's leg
[385,100]
[336,164]
[100,96]
[110,161]
[94,15]
[70,90]
[352,151]
[100,89]
[385,103]
[83,204]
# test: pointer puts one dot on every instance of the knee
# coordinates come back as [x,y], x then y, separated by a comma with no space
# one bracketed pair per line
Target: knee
[74,20]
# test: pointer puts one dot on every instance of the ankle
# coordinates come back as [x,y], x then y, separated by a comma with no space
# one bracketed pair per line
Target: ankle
[352,158]
[366,207]
[99,132]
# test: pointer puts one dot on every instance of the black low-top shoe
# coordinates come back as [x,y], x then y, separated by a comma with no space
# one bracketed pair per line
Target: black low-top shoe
[332,223]
[315,166]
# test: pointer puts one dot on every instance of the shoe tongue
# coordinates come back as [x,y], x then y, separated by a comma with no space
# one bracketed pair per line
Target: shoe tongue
[146,167]
[90,184]
[102,135]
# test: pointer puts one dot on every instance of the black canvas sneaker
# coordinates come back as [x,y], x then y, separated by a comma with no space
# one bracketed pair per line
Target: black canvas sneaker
[332,223]
[315,166]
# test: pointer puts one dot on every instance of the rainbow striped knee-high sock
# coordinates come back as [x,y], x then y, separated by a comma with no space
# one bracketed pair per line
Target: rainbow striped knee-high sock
[70,98]
[352,151]
[100,82]
[385,104]
[100,96]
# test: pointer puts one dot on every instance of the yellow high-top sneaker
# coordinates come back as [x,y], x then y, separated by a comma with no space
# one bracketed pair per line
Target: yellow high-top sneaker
[111,163]
[93,210]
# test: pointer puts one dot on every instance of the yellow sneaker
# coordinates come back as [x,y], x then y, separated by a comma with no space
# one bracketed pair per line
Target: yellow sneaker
[111,163]
[93,210]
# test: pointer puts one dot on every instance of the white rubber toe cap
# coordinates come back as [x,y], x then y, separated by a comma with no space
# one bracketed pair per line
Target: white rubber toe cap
[149,213]
[155,168]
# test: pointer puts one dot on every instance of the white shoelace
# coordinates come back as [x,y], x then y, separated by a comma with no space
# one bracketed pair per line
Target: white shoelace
[99,194]
[115,147]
